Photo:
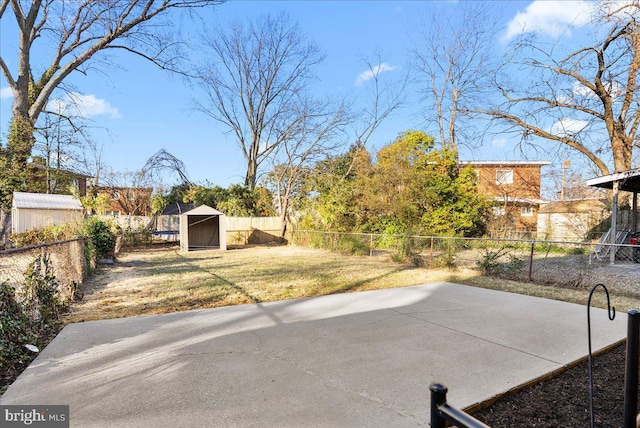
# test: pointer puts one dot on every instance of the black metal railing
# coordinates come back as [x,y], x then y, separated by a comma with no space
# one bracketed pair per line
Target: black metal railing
[631,369]
[441,412]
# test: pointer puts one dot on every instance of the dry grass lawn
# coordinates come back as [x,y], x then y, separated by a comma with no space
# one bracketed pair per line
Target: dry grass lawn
[153,281]
[161,280]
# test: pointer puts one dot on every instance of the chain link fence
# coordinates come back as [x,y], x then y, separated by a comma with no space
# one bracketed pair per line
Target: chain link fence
[575,264]
[67,260]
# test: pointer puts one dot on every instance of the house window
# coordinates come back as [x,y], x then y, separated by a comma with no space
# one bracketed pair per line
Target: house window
[498,211]
[526,211]
[504,176]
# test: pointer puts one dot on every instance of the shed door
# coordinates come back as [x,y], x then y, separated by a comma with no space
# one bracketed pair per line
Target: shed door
[204,231]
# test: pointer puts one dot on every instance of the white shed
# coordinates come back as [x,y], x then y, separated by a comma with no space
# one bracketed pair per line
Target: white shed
[203,228]
[35,210]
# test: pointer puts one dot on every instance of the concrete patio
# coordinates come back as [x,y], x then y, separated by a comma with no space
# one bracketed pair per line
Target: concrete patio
[359,359]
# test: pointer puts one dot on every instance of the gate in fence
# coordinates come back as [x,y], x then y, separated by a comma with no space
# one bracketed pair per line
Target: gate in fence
[442,413]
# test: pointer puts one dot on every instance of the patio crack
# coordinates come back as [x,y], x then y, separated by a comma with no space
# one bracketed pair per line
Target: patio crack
[484,339]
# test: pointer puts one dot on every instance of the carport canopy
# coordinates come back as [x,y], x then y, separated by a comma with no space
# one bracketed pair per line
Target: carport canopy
[628,181]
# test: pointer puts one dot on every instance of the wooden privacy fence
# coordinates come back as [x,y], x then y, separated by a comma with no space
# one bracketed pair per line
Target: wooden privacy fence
[253,230]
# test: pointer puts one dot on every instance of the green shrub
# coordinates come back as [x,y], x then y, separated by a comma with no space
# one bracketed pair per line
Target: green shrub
[404,250]
[347,244]
[514,265]
[101,236]
[489,263]
[41,292]
[447,256]
[45,234]
[15,332]
[32,318]
[134,237]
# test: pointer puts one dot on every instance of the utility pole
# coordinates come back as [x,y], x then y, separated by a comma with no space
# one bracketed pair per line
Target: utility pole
[566,165]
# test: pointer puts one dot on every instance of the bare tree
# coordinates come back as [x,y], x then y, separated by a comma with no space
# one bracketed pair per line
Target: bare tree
[586,100]
[257,70]
[162,161]
[129,191]
[311,136]
[76,31]
[453,64]
[382,98]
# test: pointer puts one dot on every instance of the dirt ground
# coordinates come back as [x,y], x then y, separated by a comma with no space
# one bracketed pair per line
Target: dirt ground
[563,401]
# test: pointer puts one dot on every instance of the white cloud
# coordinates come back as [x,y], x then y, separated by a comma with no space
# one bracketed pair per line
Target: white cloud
[567,126]
[499,142]
[582,91]
[616,89]
[6,93]
[76,104]
[550,17]
[373,72]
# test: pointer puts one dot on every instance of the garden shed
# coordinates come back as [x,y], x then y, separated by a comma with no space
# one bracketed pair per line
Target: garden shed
[35,210]
[203,228]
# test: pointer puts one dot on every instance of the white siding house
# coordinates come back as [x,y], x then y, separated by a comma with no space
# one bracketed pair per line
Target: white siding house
[34,210]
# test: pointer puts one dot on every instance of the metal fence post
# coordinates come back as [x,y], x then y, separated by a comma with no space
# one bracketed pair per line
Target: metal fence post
[371,245]
[438,397]
[533,243]
[431,254]
[631,370]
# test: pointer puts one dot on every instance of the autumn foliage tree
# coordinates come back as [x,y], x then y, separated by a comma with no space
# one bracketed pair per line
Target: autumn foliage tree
[415,188]
[412,187]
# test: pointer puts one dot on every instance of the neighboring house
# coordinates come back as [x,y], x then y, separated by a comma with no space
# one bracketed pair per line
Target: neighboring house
[35,210]
[571,220]
[52,180]
[514,189]
[127,200]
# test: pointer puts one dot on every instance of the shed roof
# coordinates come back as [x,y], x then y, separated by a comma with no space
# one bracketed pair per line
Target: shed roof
[573,206]
[629,180]
[203,210]
[46,201]
[516,200]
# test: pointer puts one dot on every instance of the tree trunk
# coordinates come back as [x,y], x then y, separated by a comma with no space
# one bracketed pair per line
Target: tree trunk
[283,217]
[5,227]
[621,153]
[250,178]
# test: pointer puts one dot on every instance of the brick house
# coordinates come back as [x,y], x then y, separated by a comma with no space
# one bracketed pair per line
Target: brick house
[127,200]
[514,187]
[52,180]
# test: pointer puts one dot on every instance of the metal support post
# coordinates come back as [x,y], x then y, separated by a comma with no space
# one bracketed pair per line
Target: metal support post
[614,223]
[438,398]
[631,370]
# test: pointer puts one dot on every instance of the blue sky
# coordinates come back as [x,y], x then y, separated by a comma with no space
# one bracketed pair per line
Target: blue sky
[138,109]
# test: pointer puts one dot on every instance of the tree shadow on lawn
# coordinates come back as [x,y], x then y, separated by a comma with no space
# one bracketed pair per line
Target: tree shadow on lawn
[318,291]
